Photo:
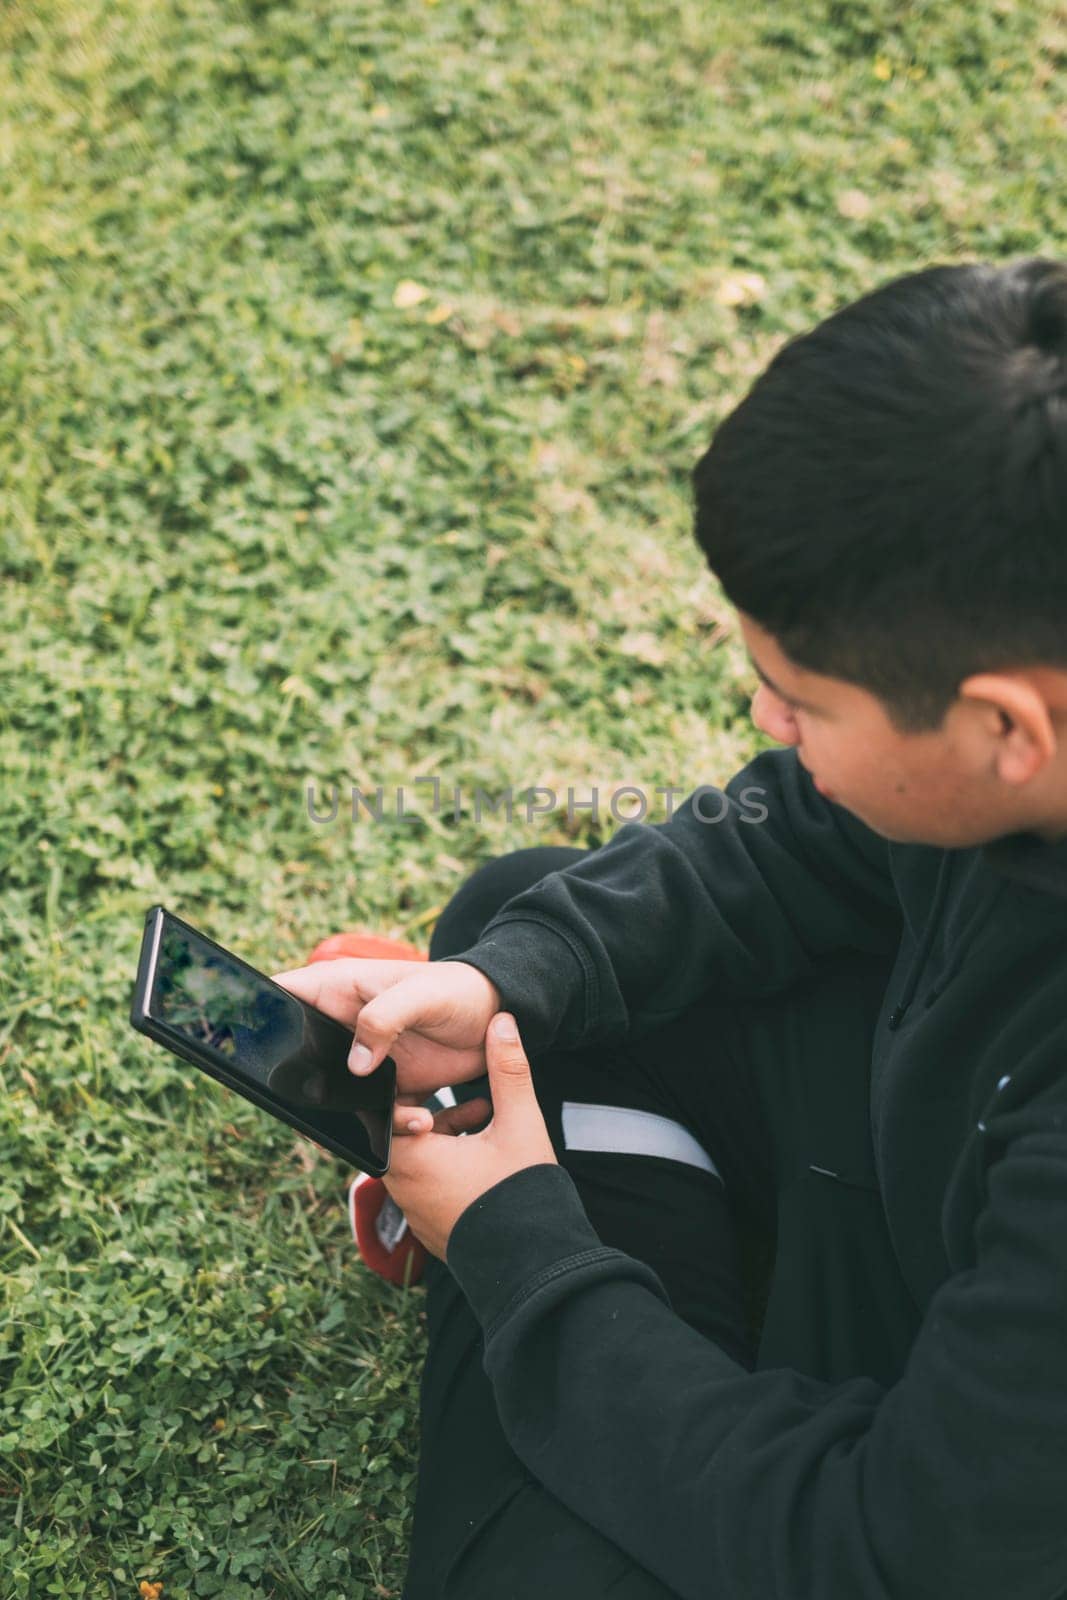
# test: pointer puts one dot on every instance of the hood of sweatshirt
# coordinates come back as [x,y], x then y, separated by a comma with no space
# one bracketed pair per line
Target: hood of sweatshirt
[1022,858]
[1030,860]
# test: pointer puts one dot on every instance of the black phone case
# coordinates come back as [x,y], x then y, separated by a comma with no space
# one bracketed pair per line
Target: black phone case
[205,1058]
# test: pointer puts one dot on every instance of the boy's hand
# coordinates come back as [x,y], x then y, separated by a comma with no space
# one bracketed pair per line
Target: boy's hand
[434,1177]
[431,1018]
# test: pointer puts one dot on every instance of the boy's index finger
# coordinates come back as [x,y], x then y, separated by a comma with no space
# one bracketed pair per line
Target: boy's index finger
[298,980]
[330,986]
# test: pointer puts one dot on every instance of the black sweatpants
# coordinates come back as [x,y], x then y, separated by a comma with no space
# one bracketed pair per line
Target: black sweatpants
[781,1255]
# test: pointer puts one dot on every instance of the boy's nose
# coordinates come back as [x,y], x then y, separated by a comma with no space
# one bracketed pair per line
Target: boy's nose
[772,717]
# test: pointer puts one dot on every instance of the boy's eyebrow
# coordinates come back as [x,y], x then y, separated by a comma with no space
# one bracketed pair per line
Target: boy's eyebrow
[805,705]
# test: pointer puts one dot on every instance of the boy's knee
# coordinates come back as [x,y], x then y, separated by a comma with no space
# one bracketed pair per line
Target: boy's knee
[489,887]
[630,1131]
[590,1111]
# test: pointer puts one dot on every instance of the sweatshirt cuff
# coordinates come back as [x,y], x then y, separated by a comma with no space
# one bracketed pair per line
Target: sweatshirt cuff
[529,1230]
[546,982]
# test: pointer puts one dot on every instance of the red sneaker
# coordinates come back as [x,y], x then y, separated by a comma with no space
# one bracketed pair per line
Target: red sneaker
[379,1227]
[368,946]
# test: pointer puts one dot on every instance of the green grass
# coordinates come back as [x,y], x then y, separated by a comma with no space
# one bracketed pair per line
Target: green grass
[268,518]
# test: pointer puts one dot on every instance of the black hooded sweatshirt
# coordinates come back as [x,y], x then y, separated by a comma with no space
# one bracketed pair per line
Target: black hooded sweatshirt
[771,1485]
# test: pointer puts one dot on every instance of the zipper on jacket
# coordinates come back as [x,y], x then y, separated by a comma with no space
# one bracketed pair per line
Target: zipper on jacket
[967,938]
[911,983]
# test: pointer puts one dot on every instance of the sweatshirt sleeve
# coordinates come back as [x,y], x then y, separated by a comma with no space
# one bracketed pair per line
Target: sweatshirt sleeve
[740,892]
[723,1481]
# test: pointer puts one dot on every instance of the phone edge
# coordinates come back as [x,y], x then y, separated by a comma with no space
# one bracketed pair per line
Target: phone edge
[160,1033]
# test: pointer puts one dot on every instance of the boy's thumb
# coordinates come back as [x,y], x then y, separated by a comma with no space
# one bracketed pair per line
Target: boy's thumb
[510,1081]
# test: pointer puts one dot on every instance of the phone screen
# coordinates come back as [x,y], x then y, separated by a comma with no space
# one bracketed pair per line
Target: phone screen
[266,1040]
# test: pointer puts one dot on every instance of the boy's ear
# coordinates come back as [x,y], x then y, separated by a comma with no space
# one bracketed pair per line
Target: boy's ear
[1021,720]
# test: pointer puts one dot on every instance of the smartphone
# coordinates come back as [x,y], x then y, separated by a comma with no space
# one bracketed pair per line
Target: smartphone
[212,1009]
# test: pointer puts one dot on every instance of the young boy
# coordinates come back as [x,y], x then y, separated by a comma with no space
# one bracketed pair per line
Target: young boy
[824,1010]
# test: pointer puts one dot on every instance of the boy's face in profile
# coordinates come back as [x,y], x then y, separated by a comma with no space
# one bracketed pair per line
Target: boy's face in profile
[953,787]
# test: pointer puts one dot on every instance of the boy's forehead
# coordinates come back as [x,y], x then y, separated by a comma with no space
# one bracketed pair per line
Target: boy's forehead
[798,684]
[772,664]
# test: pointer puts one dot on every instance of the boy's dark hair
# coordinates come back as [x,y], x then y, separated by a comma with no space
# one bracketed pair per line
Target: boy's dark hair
[890,499]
